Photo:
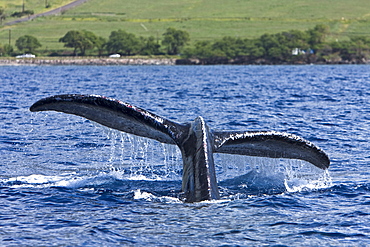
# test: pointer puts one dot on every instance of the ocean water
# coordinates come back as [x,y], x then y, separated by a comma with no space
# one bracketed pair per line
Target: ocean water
[65,181]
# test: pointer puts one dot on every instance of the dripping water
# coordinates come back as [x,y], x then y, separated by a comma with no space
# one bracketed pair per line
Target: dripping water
[259,175]
[138,158]
[135,157]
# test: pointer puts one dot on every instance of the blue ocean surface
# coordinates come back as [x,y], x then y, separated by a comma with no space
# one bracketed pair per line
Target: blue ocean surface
[65,181]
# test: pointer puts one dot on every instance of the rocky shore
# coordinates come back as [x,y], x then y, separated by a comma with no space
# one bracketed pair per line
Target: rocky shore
[157,61]
[89,61]
[247,61]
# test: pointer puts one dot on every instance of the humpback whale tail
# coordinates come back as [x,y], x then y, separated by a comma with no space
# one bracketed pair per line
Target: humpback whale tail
[195,140]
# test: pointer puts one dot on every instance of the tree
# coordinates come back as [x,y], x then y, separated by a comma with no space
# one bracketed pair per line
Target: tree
[175,40]
[82,40]
[278,53]
[123,42]
[100,44]
[253,48]
[22,13]
[202,50]
[72,39]
[27,43]
[317,35]
[8,49]
[296,39]
[228,46]
[361,47]
[149,46]
[2,15]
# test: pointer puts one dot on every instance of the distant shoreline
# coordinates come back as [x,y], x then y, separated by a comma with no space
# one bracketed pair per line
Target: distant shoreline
[88,61]
[145,61]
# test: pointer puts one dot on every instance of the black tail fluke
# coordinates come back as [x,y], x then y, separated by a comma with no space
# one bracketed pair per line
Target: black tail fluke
[195,140]
[270,144]
[114,114]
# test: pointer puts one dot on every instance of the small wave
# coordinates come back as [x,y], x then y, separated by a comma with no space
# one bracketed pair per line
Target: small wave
[129,187]
[351,190]
[43,181]
[334,234]
[146,196]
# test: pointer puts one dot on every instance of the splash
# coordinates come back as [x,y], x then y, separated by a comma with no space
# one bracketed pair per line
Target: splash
[146,196]
[137,158]
[130,158]
[44,181]
[302,176]
[267,175]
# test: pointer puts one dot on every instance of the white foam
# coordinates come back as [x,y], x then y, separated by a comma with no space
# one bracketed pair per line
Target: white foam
[139,195]
[41,181]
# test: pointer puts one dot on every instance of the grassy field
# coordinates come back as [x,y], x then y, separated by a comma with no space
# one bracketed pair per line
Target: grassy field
[37,6]
[203,19]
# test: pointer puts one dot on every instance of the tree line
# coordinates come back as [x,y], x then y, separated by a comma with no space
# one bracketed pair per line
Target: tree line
[286,47]
[119,42]
[291,47]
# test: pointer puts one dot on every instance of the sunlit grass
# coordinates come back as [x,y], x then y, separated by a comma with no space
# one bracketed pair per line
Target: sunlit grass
[203,19]
[37,6]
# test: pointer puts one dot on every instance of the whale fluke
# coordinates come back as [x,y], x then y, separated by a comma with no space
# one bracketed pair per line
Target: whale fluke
[195,140]
[114,114]
[270,144]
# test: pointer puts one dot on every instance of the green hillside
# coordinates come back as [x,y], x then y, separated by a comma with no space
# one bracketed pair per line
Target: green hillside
[37,6]
[203,19]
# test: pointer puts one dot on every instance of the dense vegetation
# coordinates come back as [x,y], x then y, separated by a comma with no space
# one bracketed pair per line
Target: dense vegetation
[286,47]
[120,42]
